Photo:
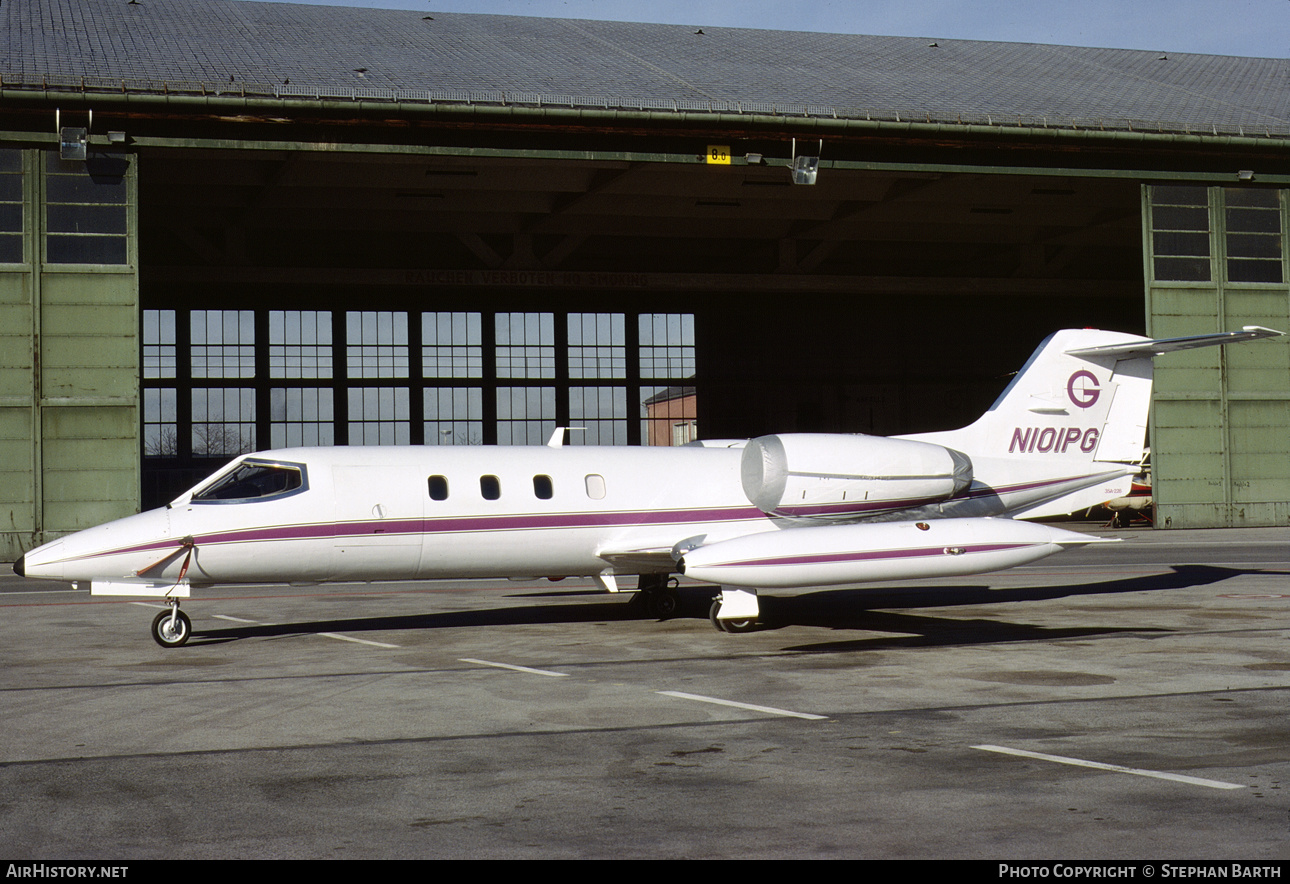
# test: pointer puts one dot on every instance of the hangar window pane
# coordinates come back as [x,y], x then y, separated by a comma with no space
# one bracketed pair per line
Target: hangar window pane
[1180,233]
[160,422]
[525,415]
[667,345]
[223,422]
[525,345]
[1253,222]
[602,412]
[379,416]
[452,345]
[11,203]
[377,344]
[86,210]
[301,417]
[454,416]
[159,343]
[669,415]
[300,344]
[597,345]
[223,343]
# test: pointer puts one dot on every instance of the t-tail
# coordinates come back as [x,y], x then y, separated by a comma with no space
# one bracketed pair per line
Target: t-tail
[1069,432]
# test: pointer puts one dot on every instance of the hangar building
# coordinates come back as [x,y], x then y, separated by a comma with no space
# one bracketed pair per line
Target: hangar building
[227,226]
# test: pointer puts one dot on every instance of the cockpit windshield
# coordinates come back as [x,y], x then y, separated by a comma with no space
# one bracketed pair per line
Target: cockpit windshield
[254,480]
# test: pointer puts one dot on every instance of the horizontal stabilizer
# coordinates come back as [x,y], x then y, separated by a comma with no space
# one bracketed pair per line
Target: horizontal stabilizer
[1145,348]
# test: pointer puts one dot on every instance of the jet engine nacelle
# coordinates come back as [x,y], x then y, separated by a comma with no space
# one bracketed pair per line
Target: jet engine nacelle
[837,477]
[828,555]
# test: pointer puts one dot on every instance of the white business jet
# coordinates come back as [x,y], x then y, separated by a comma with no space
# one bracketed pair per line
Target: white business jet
[776,512]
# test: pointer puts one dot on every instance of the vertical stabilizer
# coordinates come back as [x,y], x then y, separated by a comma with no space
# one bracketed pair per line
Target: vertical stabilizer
[1086,407]
[1069,428]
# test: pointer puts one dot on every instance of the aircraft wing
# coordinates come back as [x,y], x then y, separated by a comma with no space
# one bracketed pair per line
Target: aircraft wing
[1143,349]
[656,560]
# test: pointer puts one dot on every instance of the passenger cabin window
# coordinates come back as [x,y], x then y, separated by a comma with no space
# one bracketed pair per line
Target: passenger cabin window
[542,487]
[254,481]
[438,487]
[490,487]
[595,486]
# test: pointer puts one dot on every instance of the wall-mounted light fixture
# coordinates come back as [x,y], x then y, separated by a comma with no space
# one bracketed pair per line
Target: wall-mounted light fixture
[805,168]
[73,141]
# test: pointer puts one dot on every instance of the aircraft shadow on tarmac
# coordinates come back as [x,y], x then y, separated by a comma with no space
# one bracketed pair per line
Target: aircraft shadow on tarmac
[862,609]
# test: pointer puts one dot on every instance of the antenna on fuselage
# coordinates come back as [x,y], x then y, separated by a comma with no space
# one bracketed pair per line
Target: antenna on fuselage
[557,438]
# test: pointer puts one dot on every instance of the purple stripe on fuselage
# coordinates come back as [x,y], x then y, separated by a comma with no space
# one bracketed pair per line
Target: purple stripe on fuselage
[870,555]
[454,525]
[1030,486]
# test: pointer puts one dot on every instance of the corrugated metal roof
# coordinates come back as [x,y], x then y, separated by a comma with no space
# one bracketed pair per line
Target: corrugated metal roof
[292,52]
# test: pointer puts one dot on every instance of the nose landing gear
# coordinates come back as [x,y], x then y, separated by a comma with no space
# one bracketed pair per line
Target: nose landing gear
[171,629]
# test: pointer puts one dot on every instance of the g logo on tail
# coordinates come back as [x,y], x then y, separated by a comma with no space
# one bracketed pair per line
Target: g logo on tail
[1083,389]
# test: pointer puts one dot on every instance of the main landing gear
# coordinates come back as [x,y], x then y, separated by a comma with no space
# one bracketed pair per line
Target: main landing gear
[171,629]
[658,593]
[735,611]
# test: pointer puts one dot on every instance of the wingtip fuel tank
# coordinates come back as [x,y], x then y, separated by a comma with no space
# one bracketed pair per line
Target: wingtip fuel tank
[831,555]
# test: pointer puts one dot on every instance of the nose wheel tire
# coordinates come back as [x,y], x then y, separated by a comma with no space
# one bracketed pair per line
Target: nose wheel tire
[171,633]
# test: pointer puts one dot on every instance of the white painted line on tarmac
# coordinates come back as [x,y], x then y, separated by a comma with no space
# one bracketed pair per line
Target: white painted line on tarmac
[527,669]
[335,635]
[1078,762]
[750,706]
[357,641]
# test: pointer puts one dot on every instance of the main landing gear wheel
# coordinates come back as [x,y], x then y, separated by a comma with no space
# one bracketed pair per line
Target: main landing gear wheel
[171,629]
[731,626]
[660,596]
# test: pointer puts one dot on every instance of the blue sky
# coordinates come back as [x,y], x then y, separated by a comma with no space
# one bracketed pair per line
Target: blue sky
[1217,27]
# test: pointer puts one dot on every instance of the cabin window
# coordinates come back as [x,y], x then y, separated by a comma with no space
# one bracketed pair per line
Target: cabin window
[595,486]
[253,480]
[542,487]
[438,487]
[490,487]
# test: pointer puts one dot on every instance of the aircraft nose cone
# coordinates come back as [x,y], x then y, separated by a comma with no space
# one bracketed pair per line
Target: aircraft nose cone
[17,567]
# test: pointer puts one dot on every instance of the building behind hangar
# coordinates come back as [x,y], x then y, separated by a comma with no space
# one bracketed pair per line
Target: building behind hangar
[233,225]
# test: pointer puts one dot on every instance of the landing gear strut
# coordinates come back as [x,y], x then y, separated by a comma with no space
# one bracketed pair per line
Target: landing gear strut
[171,629]
[658,592]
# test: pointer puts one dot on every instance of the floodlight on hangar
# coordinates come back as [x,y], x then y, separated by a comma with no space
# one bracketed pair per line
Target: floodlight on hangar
[73,141]
[805,168]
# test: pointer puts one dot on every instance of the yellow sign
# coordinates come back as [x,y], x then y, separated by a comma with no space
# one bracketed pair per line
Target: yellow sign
[719,154]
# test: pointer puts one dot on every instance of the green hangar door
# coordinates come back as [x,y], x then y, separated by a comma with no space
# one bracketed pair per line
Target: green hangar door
[69,452]
[1216,261]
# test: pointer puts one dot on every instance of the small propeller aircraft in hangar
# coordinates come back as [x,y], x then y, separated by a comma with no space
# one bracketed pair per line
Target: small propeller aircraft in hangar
[769,513]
